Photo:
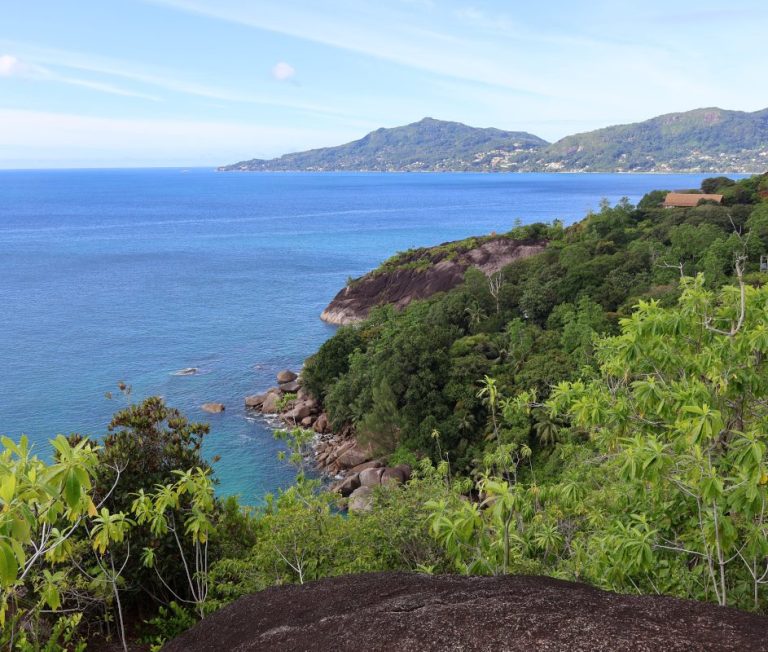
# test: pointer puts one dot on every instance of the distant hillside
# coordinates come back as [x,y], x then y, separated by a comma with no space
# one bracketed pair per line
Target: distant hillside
[707,140]
[703,140]
[425,145]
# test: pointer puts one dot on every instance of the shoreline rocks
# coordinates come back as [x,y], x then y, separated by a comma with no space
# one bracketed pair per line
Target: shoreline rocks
[337,456]
[286,376]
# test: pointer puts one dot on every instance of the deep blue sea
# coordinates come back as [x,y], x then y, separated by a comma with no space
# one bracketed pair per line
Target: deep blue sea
[110,275]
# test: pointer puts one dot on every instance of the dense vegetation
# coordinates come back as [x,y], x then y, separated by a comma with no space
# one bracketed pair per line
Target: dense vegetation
[530,326]
[701,140]
[596,412]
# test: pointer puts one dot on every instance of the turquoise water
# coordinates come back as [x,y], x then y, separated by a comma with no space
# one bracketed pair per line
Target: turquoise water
[109,275]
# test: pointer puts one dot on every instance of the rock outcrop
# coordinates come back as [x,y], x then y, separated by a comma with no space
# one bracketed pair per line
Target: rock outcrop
[345,462]
[422,273]
[421,613]
[286,376]
[213,408]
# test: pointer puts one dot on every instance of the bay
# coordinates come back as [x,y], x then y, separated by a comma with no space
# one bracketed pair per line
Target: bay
[132,275]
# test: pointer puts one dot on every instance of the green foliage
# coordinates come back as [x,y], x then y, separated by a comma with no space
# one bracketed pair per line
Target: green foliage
[71,530]
[42,507]
[656,477]
[401,375]
[147,444]
[285,400]
[301,536]
[169,622]
[679,405]
[331,361]
[715,185]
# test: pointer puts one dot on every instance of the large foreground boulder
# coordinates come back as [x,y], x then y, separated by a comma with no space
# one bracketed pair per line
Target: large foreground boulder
[404,612]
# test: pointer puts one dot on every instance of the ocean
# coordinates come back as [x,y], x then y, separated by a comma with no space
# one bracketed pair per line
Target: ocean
[132,275]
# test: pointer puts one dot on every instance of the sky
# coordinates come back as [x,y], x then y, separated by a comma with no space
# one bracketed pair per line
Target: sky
[95,83]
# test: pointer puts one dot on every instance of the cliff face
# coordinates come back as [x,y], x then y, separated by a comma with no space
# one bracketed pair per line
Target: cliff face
[420,613]
[422,273]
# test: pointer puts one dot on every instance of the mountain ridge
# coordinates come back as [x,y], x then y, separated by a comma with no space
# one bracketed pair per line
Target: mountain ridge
[701,140]
[444,145]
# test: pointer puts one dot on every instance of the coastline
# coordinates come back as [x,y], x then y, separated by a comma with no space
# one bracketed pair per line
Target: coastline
[347,467]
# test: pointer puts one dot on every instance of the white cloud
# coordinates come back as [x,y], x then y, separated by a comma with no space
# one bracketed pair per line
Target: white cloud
[9,65]
[283,71]
[12,66]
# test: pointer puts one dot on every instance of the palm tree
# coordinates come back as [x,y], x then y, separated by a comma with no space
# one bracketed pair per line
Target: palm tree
[546,430]
[490,395]
[476,314]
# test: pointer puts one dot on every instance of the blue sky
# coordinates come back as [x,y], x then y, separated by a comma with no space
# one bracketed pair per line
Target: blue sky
[205,82]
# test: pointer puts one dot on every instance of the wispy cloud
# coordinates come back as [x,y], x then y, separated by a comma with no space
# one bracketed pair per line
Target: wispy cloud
[457,41]
[410,45]
[12,66]
[44,59]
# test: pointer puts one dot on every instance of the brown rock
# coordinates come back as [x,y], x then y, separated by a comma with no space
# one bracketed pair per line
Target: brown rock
[371,477]
[307,422]
[339,449]
[286,376]
[290,387]
[353,456]
[321,425]
[373,464]
[213,407]
[361,500]
[406,471]
[270,404]
[392,476]
[299,412]
[255,401]
[346,486]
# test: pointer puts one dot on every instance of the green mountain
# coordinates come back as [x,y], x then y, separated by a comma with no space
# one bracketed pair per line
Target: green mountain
[702,140]
[425,145]
[707,140]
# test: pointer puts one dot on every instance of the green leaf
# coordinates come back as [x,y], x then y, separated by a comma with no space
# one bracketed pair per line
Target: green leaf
[9,568]
[7,488]
[72,490]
